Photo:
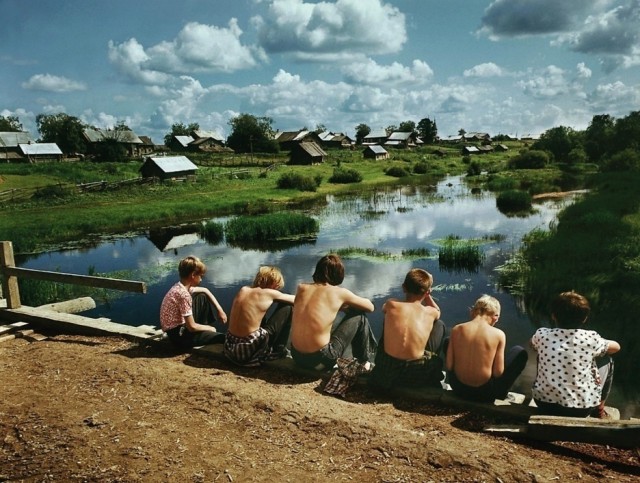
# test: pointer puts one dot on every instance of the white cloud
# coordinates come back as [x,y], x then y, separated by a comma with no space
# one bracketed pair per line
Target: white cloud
[488,69]
[583,71]
[371,73]
[614,98]
[53,83]
[197,48]
[548,83]
[331,30]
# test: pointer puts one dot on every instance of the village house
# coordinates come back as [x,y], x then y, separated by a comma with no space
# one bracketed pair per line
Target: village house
[377,136]
[306,153]
[375,152]
[399,139]
[180,143]
[9,145]
[35,152]
[288,139]
[167,167]
[335,140]
[126,138]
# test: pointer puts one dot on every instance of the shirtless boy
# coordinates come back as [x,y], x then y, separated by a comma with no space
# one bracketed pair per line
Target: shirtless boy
[251,337]
[476,362]
[408,354]
[314,344]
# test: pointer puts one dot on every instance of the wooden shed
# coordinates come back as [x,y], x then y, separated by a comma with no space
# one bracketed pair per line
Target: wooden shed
[375,152]
[167,167]
[306,153]
[41,151]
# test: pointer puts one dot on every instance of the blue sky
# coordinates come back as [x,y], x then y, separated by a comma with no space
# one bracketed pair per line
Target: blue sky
[503,66]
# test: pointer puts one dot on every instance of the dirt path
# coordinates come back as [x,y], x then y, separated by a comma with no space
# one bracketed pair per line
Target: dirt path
[103,409]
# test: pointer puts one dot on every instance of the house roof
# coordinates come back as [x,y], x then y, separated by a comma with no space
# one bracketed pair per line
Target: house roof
[313,149]
[146,140]
[184,140]
[377,149]
[98,135]
[172,164]
[12,139]
[399,136]
[285,136]
[199,134]
[199,141]
[471,149]
[376,134]
[393,142]
[40,149]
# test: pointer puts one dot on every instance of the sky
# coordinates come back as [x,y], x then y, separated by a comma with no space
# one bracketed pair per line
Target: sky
[516,67]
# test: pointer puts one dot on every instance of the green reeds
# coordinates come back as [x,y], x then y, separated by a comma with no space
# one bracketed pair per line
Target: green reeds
[270,227]
[354,252]
[513,201]
[460,255]
[212,232]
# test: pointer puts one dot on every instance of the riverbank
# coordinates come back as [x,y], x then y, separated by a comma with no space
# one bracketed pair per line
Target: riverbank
[98,408]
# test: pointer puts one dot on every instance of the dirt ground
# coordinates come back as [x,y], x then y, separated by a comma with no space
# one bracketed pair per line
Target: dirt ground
[77,408]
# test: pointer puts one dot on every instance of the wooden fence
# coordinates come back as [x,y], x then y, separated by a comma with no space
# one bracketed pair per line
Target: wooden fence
[10,274]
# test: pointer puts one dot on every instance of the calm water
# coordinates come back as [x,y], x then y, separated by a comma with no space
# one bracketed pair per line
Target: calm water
[390,220]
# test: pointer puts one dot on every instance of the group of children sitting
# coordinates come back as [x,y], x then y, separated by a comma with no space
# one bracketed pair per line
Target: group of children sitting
[266,324]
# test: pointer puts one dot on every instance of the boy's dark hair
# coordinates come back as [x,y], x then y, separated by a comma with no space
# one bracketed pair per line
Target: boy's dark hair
[570,310]
[329,269]
[190,265]
[417,281]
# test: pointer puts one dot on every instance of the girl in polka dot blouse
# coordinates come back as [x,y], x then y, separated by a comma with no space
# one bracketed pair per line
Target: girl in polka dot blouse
[568,381]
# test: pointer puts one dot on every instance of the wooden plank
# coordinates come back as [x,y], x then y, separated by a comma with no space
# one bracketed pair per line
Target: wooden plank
[12,327]
[9,283]
[35,337]
[85,280]
[5,338]
[71,306]
[622,433]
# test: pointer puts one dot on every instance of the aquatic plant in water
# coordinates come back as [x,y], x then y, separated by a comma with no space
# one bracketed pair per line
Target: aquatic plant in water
[273,226]
[456,254]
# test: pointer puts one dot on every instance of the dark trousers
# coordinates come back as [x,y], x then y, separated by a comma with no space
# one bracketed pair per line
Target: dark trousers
[203,313]
[278,325]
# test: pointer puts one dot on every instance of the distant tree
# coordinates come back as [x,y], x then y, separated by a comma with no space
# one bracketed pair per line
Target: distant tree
[529,159]
[252,134]
[111,149]
[362,130]
[391,128]
[598,137]
[407,126]
[64,130]
[625,160]
[319,128]
[559,141]
[180,129]
[427,130]
[627,132]
[10,124]
[461,132]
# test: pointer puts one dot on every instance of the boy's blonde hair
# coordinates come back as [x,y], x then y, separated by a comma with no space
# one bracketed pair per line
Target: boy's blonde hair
[269,277]
[486,305]
[417,281]
[190,265]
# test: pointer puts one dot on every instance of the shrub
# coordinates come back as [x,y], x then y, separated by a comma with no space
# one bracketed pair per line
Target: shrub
[474,169]
[513,200]
[345,175]
[421,168]
[298,181]
[397,172]
[52,191]
[466,159]
[500,183]
[533,159]
[626,160]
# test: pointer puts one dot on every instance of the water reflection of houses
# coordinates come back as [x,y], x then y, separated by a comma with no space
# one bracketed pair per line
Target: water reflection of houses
[174,237]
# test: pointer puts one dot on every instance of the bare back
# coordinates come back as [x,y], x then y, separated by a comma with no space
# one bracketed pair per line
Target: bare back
[314,311]
[407,327]
[249,307]
[476,352]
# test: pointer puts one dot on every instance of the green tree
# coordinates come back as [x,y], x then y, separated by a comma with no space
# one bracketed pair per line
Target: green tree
[627,132]
[598,137]
[427,130]
[252,134]
[361,132]
[559,141]
[180,129]
[320,128]
[10,124]
[64,130]
[407,126]
[391,128]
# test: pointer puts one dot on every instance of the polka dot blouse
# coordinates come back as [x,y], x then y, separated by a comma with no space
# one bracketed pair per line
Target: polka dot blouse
[566,367]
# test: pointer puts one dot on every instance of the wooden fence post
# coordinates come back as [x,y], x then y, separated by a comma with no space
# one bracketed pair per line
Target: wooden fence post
[9,283]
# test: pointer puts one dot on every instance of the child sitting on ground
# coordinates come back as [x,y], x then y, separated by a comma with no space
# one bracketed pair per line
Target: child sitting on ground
[568,381]
[252,337]
[187,310]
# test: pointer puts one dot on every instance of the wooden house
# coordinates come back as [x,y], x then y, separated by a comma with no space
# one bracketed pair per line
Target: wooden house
[41,152]
[399,139]
[335,140]
[288,139]
[375,152]
[180,143]
[167,167]
[129,140]
[147,147]
[378,136]
[9,145]
[306,153]
[469,150]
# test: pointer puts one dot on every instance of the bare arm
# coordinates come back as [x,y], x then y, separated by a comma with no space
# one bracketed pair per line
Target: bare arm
[429,302]
[221,313]
[498,360]
[613,347]
[450,354]
[355,301]
[193,326]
